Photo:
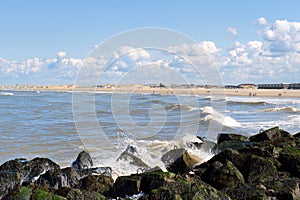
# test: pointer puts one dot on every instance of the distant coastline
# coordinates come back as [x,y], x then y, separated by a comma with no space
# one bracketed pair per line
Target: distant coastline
[242,90]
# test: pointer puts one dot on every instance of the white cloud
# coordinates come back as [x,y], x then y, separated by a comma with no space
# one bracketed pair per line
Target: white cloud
[232,31]
[261,21]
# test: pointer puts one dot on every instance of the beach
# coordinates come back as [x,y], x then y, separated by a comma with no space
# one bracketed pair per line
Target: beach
[165,90]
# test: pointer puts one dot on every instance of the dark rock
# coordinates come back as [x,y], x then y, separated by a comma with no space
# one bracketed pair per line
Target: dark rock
[178,161]
[154,180]
[259,170]
[232,144]
[100,184]
[160,193]
[205,145]
[268,135]
[42,194]
[29,170]
[8,182]
[69,177]
[222,175]
[21,193]
[285,188]
[249,191]
[83,161]
[76,194]
[127,185]
[106,171]
[290,162]
[154,169]
[222,137]
[130,154]
[52,178]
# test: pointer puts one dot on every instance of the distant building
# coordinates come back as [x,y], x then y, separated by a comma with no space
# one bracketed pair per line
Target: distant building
[271,86]
[294,86]
[248,86]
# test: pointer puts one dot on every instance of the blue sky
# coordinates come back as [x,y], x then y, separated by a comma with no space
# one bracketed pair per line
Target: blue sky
[41,29]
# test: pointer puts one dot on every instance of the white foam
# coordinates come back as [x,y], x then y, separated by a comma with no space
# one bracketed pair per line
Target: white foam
[282,109]
[219,117]
[6,94]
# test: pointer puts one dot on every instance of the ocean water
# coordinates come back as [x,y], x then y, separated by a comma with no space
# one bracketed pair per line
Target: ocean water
[59,125]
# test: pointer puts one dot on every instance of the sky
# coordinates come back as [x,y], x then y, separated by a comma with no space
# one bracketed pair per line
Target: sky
[46,42]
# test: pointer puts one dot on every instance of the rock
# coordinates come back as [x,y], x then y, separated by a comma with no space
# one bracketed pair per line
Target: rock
[178,161]
[205,145]
[127,185]
[130,154]
[52,178]
[248,191]
[154,180]
[77,194]
[222,137]
[42,194]
[160,193]
[222,175]
[69,177]
[83,161]
[290,163]
[8,182]
[29,170]
[268,135]
[21,193]
[106,171]
[285,188]
[259,170]
[100,184]
[232,144]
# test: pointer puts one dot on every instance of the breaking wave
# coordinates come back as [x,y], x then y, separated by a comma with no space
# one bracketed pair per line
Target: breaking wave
[6,94]
[288,109]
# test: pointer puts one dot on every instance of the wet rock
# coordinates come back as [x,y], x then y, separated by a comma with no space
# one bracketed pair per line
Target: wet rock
[259,170]
[268,135]
[76,194]
[249,191]
[154,180]
[69,177]
[52,178]
[285,189]
[83,161]
[8,182]
[106,171]
[100,184]
[178,161]
[205,145]
[160,193]
[231,144]
[222,175]
[222,137]
[290,162]
[130,154]
[21,193]
[42,194]
[127,186]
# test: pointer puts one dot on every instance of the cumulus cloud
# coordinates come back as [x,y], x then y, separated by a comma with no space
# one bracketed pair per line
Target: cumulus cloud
[232,31]
[261,21]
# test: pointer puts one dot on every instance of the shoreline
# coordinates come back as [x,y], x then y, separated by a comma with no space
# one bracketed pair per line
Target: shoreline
[166,91]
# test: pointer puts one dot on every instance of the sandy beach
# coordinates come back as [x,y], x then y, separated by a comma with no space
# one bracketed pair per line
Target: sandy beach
[166,90]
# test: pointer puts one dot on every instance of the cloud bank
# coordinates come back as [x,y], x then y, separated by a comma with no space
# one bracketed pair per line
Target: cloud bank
[273,58]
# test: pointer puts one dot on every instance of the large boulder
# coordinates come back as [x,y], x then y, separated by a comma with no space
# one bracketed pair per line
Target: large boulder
[222,137]
[127,185]
[271,134]
[223,175]
[290,162]
[95,183]
[52,178]
[8,182]
[83,161]
[130,155]
[178,161]
[69,177]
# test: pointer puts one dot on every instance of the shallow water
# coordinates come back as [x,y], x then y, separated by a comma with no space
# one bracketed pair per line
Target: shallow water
[58,125]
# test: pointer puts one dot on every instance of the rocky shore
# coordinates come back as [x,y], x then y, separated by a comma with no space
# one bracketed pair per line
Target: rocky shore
[263,166]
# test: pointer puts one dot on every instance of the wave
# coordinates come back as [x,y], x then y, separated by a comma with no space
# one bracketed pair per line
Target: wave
[212,114]
[288,109]
[6,94]
[232,102]
[183,107]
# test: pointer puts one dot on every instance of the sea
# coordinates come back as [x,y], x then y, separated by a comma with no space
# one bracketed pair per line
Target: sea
[59,125]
